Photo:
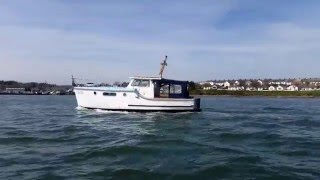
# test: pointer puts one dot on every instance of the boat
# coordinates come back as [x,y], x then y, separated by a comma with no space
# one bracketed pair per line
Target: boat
[143,94]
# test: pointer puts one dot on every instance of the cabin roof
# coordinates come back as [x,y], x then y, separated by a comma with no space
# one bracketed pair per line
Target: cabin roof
[162,80]
[147,78]
[171,81]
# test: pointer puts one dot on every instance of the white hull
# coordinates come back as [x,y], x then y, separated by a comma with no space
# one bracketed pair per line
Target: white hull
[124,99]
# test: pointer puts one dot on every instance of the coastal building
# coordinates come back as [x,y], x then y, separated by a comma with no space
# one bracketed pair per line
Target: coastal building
[271,88]
[315,83]
[260,82]
[306,89]
[248,83]
[35,90]
[280,88]
[226,84]
[219,83]
[260,89]
[235,88]
[15,90]
[263,85]
[210,87]
[207,82]
[280,82]
[292,88]
[236,83]
[249,89]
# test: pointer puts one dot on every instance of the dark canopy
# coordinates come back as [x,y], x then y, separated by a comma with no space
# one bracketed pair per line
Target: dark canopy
[176,89]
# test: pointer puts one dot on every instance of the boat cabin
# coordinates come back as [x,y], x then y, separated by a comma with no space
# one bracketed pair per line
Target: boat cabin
[156,87]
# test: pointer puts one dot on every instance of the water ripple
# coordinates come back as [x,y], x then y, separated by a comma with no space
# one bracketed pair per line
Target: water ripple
[47,137]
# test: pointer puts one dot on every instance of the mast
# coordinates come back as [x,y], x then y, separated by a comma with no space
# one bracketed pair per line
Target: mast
[163,64]
[73,82]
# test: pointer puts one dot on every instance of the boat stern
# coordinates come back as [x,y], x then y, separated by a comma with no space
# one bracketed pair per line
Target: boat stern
[196,106]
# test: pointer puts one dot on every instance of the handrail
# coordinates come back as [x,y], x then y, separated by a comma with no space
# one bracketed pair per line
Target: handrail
[159,99]
[105,90]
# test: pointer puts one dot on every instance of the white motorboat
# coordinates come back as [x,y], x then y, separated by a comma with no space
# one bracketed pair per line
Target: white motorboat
[142,94]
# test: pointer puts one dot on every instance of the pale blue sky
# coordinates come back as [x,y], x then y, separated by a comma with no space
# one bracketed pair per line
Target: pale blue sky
[106,41]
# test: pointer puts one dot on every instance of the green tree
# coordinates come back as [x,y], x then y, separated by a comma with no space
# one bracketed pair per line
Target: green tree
[242,83]
[255,84]
[192,85]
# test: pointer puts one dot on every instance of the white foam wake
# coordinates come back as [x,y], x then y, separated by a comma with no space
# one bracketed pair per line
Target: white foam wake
[110,112]
[80,108]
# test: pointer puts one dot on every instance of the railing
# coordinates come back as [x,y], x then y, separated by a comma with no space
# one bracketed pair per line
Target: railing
[159,99]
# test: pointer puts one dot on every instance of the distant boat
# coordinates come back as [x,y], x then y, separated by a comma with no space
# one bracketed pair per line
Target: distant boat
[142,94]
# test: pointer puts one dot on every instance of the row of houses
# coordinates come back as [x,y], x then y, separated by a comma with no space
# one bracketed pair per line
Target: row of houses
[36,91]
[268,88]
[263,85]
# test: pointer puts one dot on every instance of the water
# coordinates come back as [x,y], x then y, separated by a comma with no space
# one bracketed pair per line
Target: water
[45,137]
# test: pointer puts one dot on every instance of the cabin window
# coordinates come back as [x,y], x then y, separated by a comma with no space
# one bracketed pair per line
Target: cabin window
[140,83]
[109,94]
[175,89]
[95,93]
[135,82]
[171,89]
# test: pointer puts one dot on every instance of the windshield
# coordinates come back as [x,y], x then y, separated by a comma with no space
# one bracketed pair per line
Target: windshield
[140,83]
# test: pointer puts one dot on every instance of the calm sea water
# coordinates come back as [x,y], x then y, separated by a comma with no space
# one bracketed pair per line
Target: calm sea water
[46,137]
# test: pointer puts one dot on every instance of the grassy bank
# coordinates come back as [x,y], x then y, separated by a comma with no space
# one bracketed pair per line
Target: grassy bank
[257,93]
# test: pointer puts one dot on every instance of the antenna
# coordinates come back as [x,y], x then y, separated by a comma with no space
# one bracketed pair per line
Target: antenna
[163,64]
[73,81]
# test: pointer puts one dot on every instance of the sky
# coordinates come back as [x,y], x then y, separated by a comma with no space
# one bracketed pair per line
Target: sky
[107,41]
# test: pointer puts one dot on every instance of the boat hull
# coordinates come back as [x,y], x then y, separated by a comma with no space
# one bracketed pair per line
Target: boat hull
[147,110]
[131,100]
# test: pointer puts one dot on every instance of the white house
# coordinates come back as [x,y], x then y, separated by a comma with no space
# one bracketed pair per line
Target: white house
[226,84]
[292,88]
[15,90]
[280,88]
[236,88]
[315,83]
[209,88]
[289,83]
[284,83]
[271,88]
[236,83]
[205,82]
[306,89]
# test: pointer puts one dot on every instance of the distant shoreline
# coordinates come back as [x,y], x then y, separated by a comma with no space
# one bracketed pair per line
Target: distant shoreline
[257,96]
[292,94]
[12,94]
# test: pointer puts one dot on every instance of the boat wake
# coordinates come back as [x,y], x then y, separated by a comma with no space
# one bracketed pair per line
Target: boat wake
[80,108]
[101,111]
[110,112]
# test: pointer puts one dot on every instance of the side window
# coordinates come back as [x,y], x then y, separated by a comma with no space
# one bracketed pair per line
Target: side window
[140,83]
[144,83]
[135,82]
[175,89]
[109,94]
